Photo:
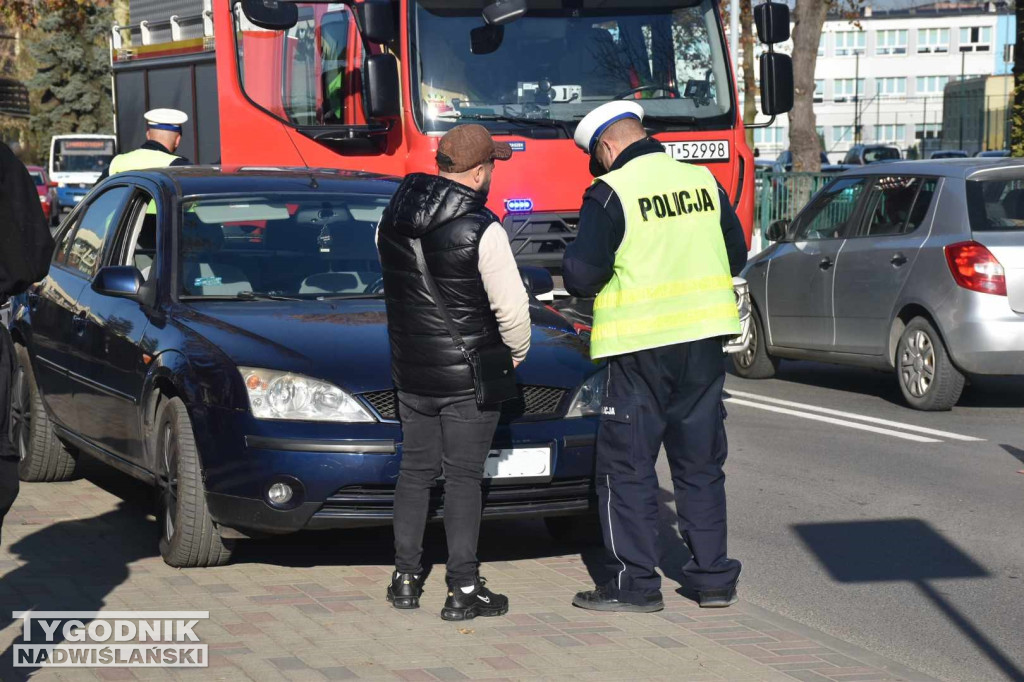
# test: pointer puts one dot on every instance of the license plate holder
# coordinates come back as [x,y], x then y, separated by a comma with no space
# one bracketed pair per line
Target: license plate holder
[518,464]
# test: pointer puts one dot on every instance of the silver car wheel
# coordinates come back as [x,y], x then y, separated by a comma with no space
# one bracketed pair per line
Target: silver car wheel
[917,364]
[746,358]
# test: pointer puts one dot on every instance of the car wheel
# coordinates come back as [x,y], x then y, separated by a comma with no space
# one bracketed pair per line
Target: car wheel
[927,377]
[188,536]
[43,456]
[576,530]
[755,362]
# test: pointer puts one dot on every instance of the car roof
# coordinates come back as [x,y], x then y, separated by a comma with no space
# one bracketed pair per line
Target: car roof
[203,180]
[950,168]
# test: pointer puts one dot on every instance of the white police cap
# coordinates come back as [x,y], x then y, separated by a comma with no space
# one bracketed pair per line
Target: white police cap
[592,127]
[166,119]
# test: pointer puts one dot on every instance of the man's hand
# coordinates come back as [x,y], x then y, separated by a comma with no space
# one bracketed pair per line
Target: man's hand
[516,363]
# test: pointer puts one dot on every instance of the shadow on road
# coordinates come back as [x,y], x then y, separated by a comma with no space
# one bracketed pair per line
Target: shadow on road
[902,550]
[1005,392]
[75,565]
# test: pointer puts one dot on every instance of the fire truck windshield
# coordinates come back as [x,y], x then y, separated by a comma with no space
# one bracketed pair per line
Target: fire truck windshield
[564,59]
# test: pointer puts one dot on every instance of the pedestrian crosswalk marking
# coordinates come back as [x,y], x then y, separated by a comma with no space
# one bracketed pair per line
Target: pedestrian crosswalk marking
[849,415]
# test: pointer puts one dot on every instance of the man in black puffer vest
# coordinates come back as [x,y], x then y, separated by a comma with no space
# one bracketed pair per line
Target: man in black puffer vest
[443,429]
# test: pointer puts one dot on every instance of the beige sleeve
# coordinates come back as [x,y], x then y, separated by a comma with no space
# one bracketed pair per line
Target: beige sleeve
[504,285]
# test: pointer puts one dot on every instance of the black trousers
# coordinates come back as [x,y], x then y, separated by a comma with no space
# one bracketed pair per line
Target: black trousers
[442,435]
[8,452]
[670,396]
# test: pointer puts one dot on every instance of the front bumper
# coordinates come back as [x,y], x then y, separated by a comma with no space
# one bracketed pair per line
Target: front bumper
[344,475]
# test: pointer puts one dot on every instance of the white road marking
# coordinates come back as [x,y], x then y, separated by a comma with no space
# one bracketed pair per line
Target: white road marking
[858,417]
[830,420]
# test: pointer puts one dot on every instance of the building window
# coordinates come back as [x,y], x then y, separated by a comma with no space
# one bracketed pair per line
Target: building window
[932,40]
[928,131]
[891,133]
[849,43]
[821,46]
[891,87]
[842,134]
[820,132]
[819,90]
[976,39]
[891,42]
[775,135]
[844,89]
[931,85]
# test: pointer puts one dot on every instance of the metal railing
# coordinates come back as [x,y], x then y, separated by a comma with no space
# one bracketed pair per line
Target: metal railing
[781,196]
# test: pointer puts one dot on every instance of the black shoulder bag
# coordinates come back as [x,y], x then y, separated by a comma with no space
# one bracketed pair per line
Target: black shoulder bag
[493,372]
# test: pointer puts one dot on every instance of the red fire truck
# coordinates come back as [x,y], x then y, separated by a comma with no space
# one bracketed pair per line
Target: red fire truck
[371,85]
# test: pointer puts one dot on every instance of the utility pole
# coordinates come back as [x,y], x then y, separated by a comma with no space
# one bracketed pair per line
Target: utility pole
[856,101]
[734,33]
[960,99]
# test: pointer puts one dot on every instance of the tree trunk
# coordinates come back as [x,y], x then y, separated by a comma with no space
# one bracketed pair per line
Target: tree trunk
[808,20]
[747,39]
[1017,129]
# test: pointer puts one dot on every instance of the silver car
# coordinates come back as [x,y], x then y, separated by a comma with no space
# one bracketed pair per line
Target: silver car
[915,267]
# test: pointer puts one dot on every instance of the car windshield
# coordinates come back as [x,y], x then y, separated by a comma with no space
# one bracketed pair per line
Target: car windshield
[563,59]
[309,246]
[875,154]
[996,205]
[83,155]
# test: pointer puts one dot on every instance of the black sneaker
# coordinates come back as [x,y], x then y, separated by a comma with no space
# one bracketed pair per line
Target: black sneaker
[405,590]
[602,599]
[480,602]
[717,599]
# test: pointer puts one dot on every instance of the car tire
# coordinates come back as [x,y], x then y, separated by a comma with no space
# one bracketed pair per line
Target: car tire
[579,530]
[43,456]
[755,362]
[925,372]
[188,536]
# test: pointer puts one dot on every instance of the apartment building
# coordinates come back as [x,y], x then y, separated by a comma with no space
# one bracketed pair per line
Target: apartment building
[882,78]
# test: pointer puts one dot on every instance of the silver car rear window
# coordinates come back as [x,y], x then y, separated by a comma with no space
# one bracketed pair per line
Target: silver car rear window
[996,205]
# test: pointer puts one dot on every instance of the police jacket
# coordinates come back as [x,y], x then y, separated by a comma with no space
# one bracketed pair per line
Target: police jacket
[484,296]
[589,261]
[154,146]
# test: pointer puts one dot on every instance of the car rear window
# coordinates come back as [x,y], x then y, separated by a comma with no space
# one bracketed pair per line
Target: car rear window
[37,177]
[996,205]
[876,154]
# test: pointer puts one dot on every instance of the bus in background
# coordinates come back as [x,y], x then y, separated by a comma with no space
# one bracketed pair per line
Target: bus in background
[371,85]
[76,163]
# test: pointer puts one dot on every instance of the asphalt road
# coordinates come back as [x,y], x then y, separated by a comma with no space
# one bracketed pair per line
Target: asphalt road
[897,530]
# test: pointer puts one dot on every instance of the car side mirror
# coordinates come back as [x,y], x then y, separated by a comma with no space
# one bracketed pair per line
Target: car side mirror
[377,21]
[118,281]
[776,83]
[273,15]
[772,20]
[382,86]
[537,280]
[777,230]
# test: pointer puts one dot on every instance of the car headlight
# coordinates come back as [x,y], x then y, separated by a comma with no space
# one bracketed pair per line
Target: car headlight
[283,395]
[587,401]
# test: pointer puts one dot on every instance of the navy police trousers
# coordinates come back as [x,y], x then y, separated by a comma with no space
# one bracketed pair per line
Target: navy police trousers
[671,396]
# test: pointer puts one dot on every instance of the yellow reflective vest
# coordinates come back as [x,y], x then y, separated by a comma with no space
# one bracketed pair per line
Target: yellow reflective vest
[671,281]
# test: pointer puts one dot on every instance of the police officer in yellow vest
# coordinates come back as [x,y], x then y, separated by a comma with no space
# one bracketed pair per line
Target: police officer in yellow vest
[658,244]
[163,135]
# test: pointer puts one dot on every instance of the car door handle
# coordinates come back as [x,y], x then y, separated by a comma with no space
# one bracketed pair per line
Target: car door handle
[79,320]
[898,260]
[825,263]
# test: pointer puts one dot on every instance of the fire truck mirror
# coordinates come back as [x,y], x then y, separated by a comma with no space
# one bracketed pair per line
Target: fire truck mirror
[384,94]
[271,14]
[486,39]
[776,83]
[377,21]
[501,12]
[772,19]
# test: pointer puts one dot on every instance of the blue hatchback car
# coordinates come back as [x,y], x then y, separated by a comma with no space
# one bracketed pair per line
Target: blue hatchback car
[222,336]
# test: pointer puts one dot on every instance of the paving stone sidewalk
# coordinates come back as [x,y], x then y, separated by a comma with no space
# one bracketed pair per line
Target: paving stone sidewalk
[311,607]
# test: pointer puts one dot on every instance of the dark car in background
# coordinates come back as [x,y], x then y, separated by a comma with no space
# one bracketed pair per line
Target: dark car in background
[948,154]
[864,154]
[232,351]
[47,191]
[915,268]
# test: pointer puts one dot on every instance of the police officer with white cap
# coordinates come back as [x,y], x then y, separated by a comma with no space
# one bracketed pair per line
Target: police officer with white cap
[658,244]
[163,135]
